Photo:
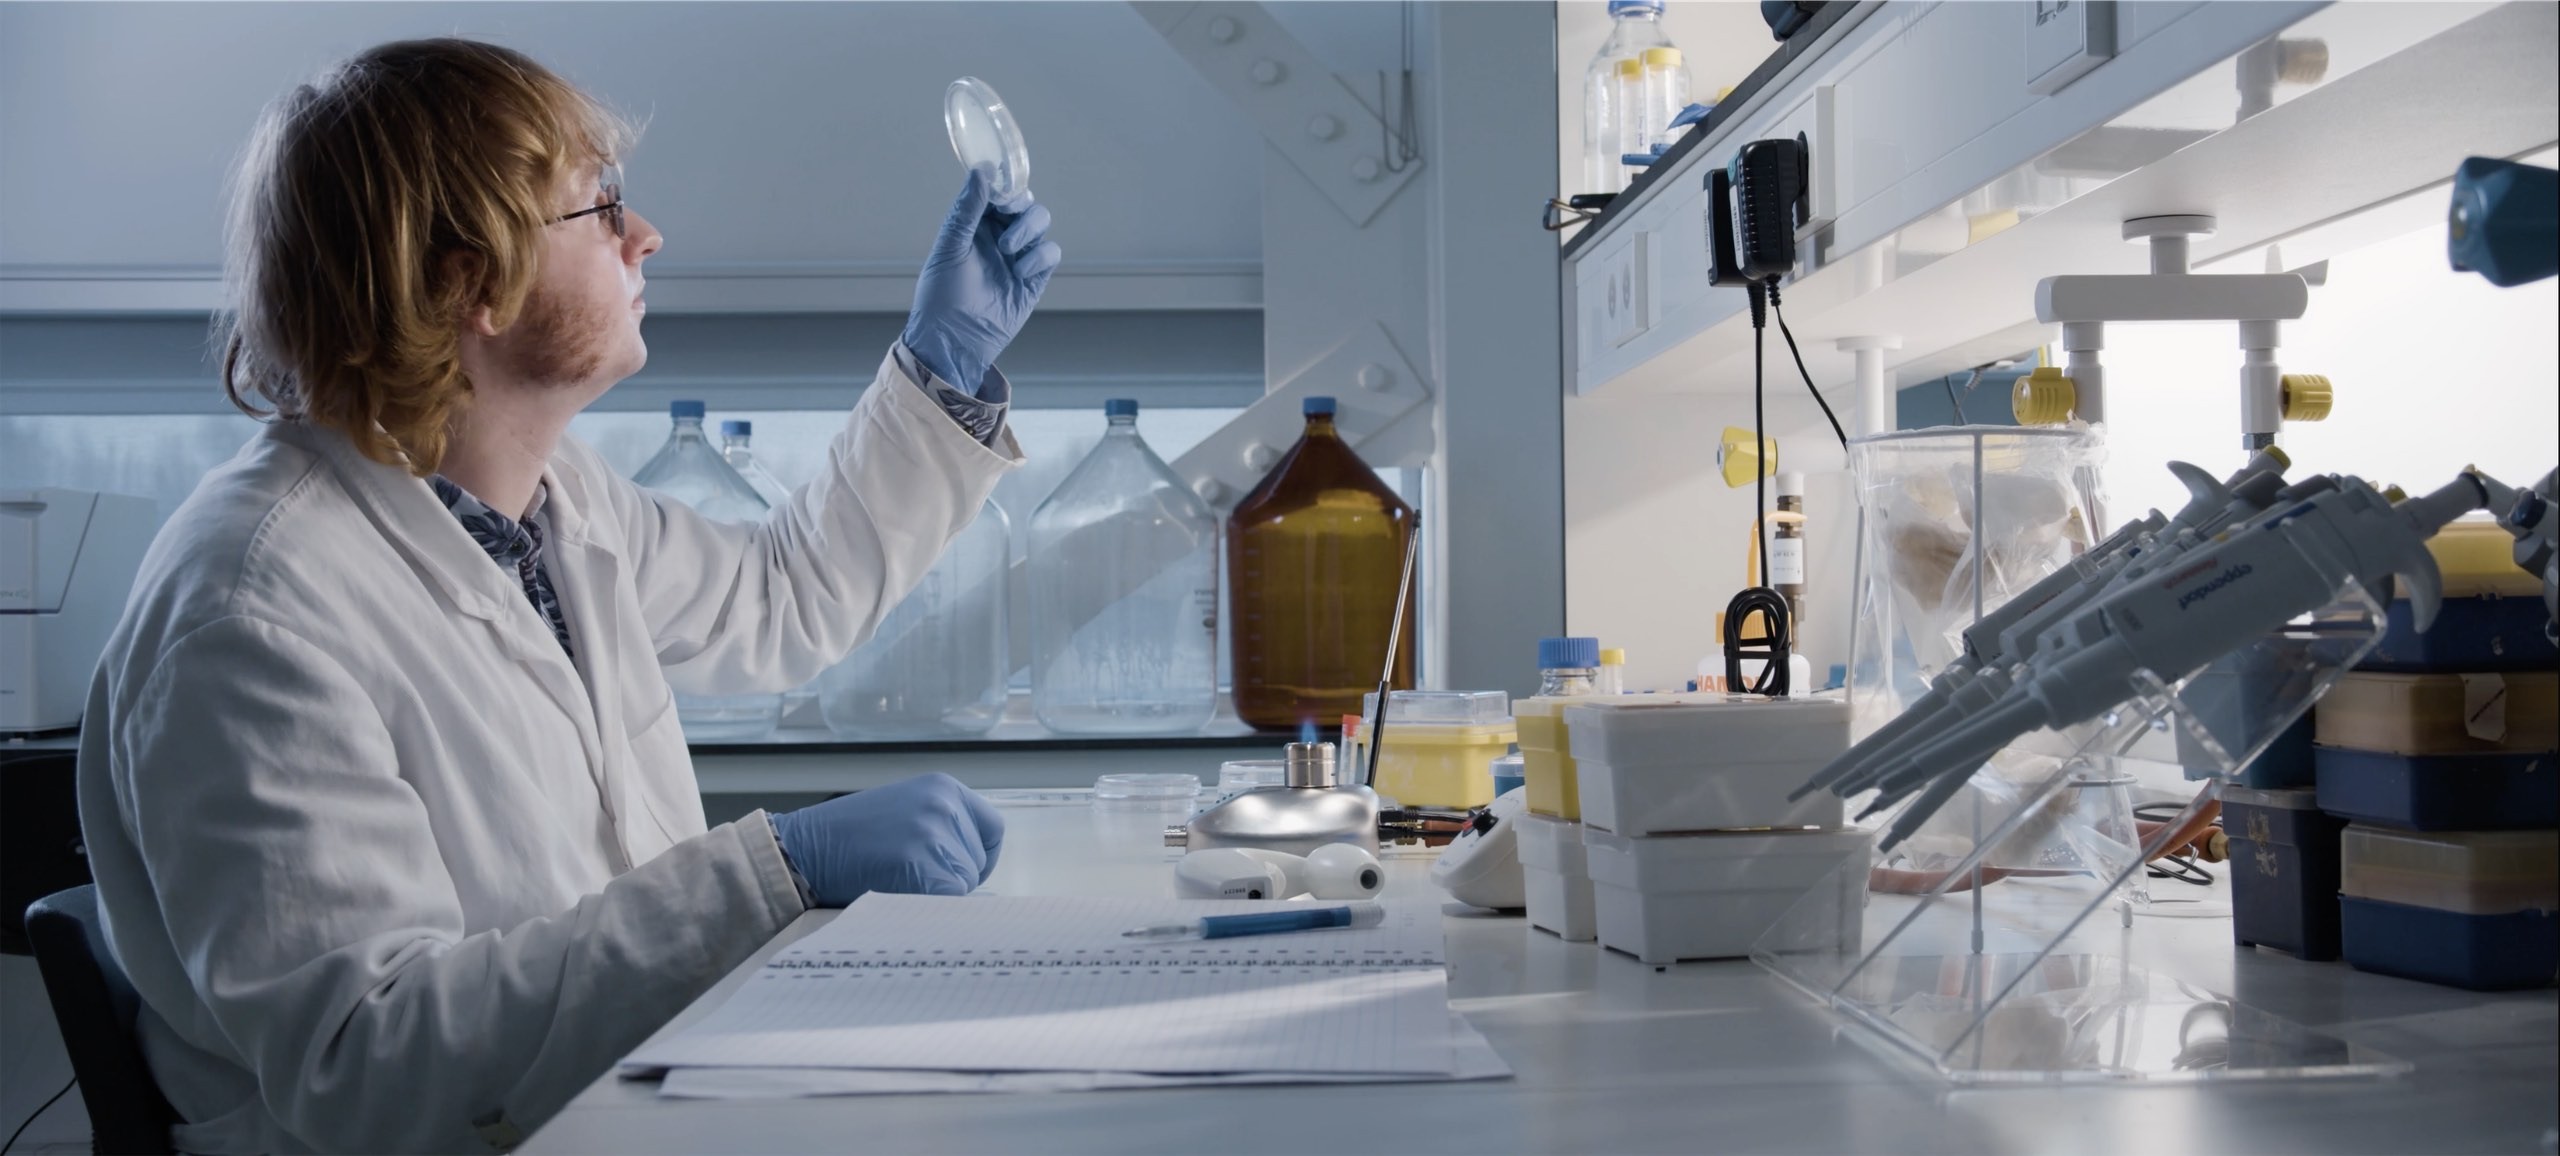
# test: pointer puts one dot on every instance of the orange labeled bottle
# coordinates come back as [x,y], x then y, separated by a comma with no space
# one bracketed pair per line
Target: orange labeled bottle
[1314,556]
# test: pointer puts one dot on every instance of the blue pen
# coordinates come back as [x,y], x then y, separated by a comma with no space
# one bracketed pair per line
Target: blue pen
[1264,922]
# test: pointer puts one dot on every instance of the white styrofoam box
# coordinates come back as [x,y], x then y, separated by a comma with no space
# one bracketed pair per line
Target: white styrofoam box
[1562,904]
[1675,897]
[1706,763]
[1637,729]
[1556,878]
[1552,844]
[1714,794]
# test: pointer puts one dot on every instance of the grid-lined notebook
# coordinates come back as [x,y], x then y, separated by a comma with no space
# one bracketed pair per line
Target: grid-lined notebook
[1049,984]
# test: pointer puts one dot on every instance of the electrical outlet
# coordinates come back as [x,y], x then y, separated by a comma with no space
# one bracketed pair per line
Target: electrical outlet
[1629,302]
[2066,39]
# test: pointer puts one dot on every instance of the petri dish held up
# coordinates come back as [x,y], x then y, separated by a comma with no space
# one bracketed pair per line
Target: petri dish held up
[984,136]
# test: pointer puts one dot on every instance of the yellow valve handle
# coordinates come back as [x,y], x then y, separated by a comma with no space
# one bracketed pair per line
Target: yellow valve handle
[2044,397]
[2307,396]
[1740,463]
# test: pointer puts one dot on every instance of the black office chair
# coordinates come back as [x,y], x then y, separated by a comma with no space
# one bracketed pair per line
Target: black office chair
[40,848]
[95,1006]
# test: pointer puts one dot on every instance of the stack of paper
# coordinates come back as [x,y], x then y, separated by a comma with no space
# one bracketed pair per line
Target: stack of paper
[907,993]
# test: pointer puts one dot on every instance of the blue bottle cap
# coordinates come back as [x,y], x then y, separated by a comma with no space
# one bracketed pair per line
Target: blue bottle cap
[1120,407]
[737,429]
[1619,7]
[1319,407]
[1568,653]
[691,409]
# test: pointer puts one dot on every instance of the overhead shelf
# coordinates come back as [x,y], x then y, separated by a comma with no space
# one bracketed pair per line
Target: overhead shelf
[1945,251]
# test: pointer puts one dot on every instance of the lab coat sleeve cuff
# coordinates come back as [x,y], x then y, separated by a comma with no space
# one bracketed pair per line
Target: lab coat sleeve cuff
[900,364]
[982,414]
[782,884]
[798,882]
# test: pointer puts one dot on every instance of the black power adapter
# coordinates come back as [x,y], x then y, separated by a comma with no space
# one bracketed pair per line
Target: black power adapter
[1755,204]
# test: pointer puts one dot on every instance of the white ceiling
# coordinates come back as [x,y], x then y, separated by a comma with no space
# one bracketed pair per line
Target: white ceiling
[776,131]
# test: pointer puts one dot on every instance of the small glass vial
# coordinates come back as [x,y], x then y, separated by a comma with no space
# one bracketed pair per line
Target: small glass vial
[1786,549]
[1613,672]
[1568,666]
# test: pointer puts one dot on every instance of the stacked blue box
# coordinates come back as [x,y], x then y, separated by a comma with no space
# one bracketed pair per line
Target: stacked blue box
[2284,871]
[2470,751]
[2482,952]
[2441,747]
[2468,908]
[2470,792]
[2481,632]
[2491,617]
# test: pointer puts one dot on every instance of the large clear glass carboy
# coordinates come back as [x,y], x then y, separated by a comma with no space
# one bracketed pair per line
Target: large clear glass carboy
[936,667]
[690,470]
[736,448]
[1123,577]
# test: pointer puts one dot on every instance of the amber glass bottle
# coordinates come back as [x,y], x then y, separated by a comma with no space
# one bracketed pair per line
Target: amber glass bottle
[1314,555]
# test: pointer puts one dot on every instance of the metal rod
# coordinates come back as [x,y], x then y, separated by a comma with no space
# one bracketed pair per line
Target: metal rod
[1981,534]
[1375,726]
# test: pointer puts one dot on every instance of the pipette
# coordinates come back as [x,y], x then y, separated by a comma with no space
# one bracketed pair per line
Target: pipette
[2222,594]
[1373,729]
[2009,633]
[1297,918]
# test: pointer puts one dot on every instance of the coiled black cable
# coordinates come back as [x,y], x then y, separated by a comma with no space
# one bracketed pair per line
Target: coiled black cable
[1772,648]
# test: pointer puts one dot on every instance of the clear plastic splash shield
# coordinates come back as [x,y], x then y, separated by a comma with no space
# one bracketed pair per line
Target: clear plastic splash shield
[2006,958]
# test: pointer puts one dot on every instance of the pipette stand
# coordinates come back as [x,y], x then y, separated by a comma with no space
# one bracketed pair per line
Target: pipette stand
[2014,981]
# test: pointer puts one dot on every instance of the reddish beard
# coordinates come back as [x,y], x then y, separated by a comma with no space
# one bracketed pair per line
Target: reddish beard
[560,343]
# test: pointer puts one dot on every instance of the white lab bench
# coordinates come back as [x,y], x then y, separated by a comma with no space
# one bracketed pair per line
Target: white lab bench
[1613,1056]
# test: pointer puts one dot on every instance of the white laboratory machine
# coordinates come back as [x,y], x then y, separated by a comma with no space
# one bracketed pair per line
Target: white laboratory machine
[67,560]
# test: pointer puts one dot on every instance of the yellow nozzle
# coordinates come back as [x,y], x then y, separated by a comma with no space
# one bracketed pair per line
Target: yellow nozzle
[2044,397]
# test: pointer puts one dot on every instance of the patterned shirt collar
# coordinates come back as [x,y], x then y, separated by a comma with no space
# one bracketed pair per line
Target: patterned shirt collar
[512,543]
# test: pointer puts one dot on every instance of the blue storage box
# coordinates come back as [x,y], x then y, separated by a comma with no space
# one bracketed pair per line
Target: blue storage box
[2285,763]
[2486,791]
[2467,908]
[2491,618]
[2485,632]
[2519,949]
[2284,871]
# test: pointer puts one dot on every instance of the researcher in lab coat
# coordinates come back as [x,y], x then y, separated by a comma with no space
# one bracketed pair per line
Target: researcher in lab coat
[382,783]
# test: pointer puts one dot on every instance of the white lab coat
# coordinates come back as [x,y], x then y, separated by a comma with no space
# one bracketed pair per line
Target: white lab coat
[390,872]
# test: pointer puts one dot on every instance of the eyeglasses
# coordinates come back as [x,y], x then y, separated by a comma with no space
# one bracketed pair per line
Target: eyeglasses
[611,208]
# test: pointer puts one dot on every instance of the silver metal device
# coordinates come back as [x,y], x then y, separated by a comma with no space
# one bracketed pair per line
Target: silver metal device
[1308,765]
[1313,809]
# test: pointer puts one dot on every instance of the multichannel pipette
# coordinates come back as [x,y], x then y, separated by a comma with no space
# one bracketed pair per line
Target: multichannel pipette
[2169,598]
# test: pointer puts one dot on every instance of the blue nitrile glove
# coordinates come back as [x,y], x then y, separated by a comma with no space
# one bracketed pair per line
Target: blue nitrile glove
[986,271]
[922,836]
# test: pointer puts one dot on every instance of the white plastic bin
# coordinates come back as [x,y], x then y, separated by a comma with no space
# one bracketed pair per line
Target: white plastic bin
[1651,768]
[1675,897]
[1555,877]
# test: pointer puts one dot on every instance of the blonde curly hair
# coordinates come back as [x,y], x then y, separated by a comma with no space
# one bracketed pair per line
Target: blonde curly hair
[374,209]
